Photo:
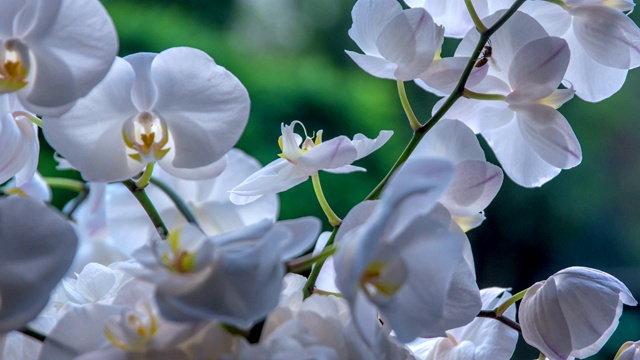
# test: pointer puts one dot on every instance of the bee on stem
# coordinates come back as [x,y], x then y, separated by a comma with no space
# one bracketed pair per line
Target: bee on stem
[487,51]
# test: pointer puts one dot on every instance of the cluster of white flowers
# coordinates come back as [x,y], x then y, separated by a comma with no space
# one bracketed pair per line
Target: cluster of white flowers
[189,260]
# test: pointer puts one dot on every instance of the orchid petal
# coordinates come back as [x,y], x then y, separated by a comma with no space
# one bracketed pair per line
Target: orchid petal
[505,43]
[409,40]
[451,140]
[538,69]
[144,92]
[277,176]
[46,247]
[76,69]
[592,81]
[603,32]
[206,114]
[303,235]
[103,157]
[330,154]
[475,185]
[443,75]
[369,17]
[518,160]
[480,116]
[365,146]
[375,66]
[549,135]
[200,173]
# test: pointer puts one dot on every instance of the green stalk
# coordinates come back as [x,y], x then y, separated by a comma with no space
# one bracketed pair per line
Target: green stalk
[148,206]
[413,120]
[455,95]
[144,179]
[306,262]
[65,183]
[315,272]
[177,200]
[479,96]
[334,220]
[474,16]
[512,300]
[33,334]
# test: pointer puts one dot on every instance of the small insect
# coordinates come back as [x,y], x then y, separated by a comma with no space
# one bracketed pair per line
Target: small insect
[487,51]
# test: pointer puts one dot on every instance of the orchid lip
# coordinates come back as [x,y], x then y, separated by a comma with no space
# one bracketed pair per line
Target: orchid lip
[147,135]
[14,70]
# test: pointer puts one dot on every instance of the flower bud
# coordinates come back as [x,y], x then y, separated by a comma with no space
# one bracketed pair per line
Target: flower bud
[573,313]
[629,351]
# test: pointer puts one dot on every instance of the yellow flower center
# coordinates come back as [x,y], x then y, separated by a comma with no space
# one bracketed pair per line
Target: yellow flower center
[177,260]
[147,135]
[14,69]
[307,144]
[374,282]
[132,332]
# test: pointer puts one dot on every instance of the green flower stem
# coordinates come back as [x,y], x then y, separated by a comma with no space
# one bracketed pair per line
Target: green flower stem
[146,203]
[491,314]
[334,220]
[413,120]
[458,92]
[503,19]
[542,356]
[306,262]
[66,183]
[478,96]
[144,179]
[417,136]
[235,331]
[177,200]
[33,334]
[512,300]
[75,204]
[310,285]
[474,16]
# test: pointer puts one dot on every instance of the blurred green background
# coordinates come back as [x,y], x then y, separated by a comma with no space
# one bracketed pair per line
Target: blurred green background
[290,56]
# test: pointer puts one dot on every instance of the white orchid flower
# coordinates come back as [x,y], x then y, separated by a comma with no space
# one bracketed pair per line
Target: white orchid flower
[604,42]
[177,108]
[453,15]
[97,243]
[19,145]
[36,188]
[481,339]
[320,327]
[629,351]
[301,159]
[46,245]
[116,331]
[476,181]
[402,258]
[573,313]
[234,277]
[207,199]
[397,44]
[53,52]
[530,138]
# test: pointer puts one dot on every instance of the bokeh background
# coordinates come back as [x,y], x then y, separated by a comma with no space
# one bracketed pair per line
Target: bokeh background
[290,56]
